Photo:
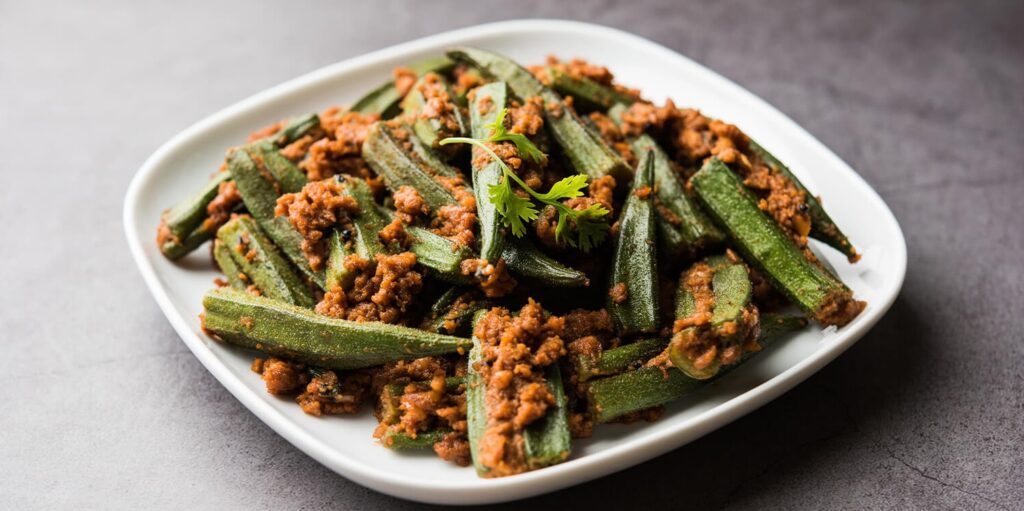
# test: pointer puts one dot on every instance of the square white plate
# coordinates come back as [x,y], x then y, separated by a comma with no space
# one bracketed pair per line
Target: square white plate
[344,443]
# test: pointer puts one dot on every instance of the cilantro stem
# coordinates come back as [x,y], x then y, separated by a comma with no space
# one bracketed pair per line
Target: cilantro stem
[511,175]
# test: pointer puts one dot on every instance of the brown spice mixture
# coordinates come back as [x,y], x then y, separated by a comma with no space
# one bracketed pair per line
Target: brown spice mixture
[409,202]
[705,343]
[298,149]
[455,222]
[614,137]
[266,131]
[619,293]
[327,394]
[424,403]
[340,152]
[395,234]
[405,78]
[281,377]
[466,79]
[513,350]
[219,209]
[380,292]
[494,278]
[438,105]
[314,211]
[840,308]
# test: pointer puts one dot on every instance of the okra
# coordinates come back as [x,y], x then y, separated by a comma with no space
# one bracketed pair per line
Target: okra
[586,151]
[822,226]
[442,256]
[187,217]
[619,359]
[634,262]
[763,244]
[526,260]
[492,236]
[683,230]
[300,334]
[451,315]
[222,256]
[399,440]
[642,388]
[296,128]
[259,260]
[186,221]
[431,129]
[363,240]
[384,99]
[286,173]
[391,397]
[389,158]
[731,290]
[259,192]
[547,441]
[586,94]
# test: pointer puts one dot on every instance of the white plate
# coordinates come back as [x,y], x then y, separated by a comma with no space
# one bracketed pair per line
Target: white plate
[344,443]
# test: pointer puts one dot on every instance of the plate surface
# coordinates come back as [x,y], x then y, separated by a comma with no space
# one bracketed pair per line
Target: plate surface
[344,443]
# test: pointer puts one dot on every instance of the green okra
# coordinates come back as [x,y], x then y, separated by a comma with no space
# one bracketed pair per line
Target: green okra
[399,440]
[444,314]
[631,391]
[587,95]
[222,256]
[442,256]
[763,244]
[634,262]
[822,226]
[384,99]
[187,217]
[300,334]
[431,129]
[683,229]
[287,174]
[388,157]
[362,240]
[617,360]
[259,193]
[586,151]
[492,234]
[296,128]
[260,261]
[186,221]
[732,290]
[526,260]
[547,441]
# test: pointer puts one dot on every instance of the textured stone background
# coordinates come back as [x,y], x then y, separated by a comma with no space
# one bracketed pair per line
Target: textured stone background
[103,405]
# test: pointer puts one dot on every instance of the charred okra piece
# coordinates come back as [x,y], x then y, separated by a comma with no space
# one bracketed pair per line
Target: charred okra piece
[633,290]
[300,334]
[585,150]
[763,244]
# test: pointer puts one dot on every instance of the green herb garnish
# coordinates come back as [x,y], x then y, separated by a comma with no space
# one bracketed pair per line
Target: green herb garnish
[515,210]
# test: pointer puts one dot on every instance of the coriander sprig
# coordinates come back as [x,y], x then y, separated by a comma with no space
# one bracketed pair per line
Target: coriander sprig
[516,211]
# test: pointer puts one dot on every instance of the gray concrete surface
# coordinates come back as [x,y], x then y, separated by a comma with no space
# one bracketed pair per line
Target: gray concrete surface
[103,406]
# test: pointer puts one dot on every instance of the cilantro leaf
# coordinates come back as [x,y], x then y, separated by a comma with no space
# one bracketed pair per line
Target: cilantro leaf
[591,225]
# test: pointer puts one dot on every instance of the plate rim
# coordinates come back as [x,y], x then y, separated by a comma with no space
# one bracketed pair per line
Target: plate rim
[533,483]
